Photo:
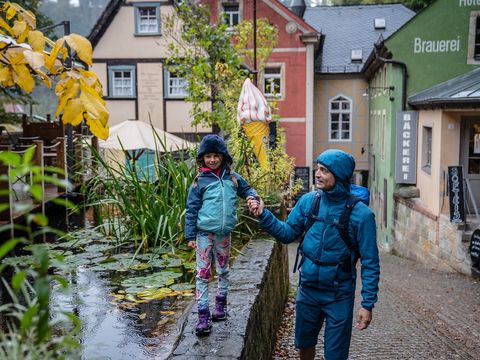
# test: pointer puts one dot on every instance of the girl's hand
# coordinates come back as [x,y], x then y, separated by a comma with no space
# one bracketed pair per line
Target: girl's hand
[192,244]
[255,205]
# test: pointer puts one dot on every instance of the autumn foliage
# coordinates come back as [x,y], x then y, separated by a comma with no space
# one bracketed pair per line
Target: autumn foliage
[26,55]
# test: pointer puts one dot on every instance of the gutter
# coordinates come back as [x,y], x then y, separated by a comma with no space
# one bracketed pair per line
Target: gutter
[404,75]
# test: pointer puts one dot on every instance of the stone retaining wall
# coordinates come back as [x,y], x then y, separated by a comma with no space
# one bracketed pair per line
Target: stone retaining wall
[257,294]
[422,236]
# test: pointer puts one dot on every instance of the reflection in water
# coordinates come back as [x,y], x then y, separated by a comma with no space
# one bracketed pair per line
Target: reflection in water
[109,332]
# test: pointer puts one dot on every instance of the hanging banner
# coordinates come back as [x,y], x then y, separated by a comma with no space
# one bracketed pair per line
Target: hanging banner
[406,154]
[455,194]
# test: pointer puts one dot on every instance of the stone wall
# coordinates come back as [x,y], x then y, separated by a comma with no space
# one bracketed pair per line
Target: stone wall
[257,295]
[427,238]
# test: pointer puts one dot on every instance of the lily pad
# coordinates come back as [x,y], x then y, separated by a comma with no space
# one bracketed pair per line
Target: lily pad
[182,287]
[155,294]
[157,280]
[166,263]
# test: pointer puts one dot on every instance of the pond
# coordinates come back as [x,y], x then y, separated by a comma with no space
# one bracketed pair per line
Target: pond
[131,306]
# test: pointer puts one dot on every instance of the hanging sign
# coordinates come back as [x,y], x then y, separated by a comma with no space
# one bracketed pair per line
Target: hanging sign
[406,154]
[455,194]
[475,249]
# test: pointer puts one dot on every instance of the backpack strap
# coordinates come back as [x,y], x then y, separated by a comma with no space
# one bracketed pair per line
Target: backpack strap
[343,223]
[311,219]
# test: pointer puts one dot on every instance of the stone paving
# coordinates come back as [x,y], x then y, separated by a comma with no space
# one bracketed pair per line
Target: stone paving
[422,313]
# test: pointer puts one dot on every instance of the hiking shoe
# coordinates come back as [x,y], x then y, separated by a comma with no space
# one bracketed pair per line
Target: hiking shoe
[220,312]
[204,324]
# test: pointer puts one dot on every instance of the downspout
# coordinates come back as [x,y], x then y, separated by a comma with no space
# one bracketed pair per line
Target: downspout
[404,75]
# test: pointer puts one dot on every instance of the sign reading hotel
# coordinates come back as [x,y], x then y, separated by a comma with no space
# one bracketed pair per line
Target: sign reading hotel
[406,149]
[455,194]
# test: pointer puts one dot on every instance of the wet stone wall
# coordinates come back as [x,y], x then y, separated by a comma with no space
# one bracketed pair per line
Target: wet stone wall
[429,239]
[257,294]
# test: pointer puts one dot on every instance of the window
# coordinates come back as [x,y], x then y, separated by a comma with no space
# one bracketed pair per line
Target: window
[176,85]
[121,81]
[474,39]
[231,14]
[272,81]
[340,119]
[147,19]
[427,149]
[382,134]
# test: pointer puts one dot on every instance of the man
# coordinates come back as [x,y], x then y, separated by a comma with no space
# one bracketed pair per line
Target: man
[327,271]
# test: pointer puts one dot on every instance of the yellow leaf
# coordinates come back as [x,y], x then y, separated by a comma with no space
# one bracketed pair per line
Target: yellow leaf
[45,78]
[97,128]
[50,63]
[19,28]
[82,47]
[142,316]
[4,25]
[93,103]
[10,10]
[66,90]
[34,59]
[167,312]
[6,77]
[23,78]
[27,15]
[36,40]
[73,113]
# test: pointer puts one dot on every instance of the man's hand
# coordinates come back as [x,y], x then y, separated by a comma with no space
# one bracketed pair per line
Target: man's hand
[255,205]
[364,319]
[192,244]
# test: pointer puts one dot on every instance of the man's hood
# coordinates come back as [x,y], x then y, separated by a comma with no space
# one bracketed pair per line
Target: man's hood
[341,165]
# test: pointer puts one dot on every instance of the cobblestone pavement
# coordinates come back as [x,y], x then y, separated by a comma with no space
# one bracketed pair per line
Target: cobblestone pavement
[422,313]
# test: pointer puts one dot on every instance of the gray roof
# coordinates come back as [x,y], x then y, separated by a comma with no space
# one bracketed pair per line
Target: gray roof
[348,28]
[463,90]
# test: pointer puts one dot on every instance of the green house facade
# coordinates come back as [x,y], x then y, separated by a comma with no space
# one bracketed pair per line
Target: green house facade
[423,103]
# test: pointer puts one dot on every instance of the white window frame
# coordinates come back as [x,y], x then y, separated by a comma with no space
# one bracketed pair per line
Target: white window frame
[153,20]
[175,82]
[272,77]
[112,81]
[341,99]
[474,18]
[427,148]
[228,13]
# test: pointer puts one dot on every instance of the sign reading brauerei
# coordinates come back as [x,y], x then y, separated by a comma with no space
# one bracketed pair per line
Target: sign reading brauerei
[455,194]
[406,155]
[475,249]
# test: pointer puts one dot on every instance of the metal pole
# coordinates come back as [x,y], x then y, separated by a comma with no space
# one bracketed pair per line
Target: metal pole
[70,149]
[255,72]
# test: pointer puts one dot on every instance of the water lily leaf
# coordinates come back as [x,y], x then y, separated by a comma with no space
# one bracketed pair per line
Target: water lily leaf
[167,312]
[155,294]
[24,260]
[190,265]
[141,266]
[182,287]
[99,247]
[166,263]
[157,280]
[117,297]
[108,260]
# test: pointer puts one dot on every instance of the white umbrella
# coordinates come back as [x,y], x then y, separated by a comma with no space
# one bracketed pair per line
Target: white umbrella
[136,135]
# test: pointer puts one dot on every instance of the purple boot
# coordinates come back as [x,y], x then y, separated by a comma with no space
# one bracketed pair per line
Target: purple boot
[220,312]
[204,324]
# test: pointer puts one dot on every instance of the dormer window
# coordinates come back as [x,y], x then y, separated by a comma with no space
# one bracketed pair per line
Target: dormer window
[357,55]
[147,19]
[231,14]
[379,23]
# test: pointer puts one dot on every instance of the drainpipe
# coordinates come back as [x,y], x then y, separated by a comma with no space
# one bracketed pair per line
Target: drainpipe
[404,75]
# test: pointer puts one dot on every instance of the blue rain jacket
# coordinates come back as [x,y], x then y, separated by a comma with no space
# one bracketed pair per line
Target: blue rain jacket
[212,203]
[323,241]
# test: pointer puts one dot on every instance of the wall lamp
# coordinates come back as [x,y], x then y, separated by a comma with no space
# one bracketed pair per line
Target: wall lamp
[371,89]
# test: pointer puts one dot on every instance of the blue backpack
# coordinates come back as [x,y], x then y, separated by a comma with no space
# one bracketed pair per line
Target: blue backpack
[357,193]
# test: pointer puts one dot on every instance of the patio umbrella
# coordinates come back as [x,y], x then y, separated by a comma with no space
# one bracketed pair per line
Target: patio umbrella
[138,135]
[134,136]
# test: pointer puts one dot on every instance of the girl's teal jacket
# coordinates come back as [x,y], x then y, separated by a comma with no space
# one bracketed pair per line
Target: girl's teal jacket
[212,203]
[323,241]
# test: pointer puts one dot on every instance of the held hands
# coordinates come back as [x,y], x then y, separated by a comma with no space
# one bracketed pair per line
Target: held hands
[255,205]
[364,319]
[192,244]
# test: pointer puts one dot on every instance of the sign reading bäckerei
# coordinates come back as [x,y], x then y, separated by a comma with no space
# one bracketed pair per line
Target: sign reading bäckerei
[455,194]
[406,149]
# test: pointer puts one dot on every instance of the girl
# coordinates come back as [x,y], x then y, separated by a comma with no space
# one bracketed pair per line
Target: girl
[209,220]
